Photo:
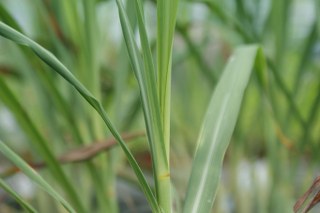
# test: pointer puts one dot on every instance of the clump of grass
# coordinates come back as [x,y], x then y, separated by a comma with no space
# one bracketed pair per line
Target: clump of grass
[81,109]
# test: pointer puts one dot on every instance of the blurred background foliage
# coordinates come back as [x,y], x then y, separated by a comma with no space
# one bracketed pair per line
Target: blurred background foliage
[274,152]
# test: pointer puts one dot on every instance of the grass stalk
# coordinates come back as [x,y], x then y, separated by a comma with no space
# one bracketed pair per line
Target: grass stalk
[166,21]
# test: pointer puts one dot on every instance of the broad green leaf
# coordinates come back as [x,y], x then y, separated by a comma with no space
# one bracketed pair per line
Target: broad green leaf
[17,197]
[58,67]
[217,128]
[33,175]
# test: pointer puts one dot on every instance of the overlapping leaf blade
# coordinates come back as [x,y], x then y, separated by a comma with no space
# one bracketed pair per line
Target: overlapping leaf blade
[166,21]
[156,108]
[145,73]
[166,17]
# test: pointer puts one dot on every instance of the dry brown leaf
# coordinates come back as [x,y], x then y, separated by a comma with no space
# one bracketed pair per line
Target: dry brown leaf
[314,193]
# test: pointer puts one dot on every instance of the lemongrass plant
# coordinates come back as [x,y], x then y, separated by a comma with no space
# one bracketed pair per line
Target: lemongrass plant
[73,86]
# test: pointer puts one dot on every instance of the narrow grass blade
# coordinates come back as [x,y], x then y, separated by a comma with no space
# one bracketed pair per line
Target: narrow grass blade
[306,56]
[279,17]
[217,129]
[122,74]
[64,108]
[146,78]
[311,120]
[17,197]
[166,21]
[90,50]
[166,17]
[145,74]
[39,143]
[161,163]
[58,67]
[90,46]
[304,61]
[286,93]
[228,19]
[46,79]
[209,75]
[33,175]
[8,19]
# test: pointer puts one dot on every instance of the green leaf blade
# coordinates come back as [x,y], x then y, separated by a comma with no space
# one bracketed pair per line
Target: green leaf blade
[145,74]
[217,129]
[33,175]
[166,17]
[17,197]
[166,21]
[38,142]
